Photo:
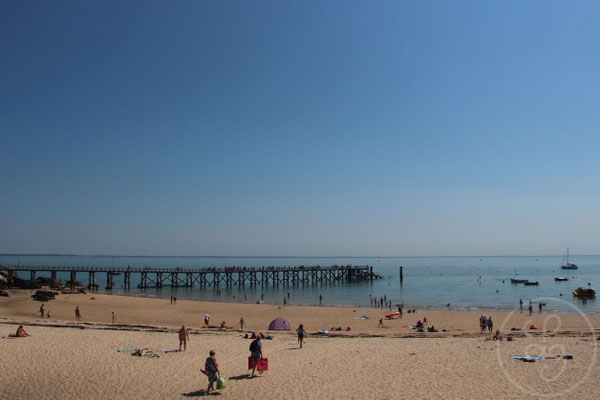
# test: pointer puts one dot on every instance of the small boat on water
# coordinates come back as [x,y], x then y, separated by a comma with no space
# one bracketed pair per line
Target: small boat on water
[584,292]
[566,264]
[561,278]
[515,281]
[532,283]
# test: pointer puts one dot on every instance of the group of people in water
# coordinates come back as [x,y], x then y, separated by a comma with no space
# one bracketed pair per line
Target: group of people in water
[381,302]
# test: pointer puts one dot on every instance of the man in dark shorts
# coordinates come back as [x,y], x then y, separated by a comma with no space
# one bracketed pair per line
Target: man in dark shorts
[183,337]
[211,370]
[255,352]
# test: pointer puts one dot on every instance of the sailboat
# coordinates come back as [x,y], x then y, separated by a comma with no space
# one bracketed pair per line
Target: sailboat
[515,280]
[567,264]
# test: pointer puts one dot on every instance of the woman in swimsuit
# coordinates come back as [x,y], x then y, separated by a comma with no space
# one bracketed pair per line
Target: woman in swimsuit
[21,332]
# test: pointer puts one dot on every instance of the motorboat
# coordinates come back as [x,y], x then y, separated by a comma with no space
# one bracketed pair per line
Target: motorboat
[584,292]
[515,281]
[561,278]
[532,283]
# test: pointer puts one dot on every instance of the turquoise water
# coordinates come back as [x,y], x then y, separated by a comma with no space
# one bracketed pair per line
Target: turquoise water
[430,282]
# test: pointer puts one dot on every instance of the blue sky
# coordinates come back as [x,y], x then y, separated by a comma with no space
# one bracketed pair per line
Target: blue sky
[312,128]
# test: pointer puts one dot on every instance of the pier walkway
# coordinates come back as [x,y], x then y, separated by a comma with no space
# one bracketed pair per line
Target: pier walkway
[157,277]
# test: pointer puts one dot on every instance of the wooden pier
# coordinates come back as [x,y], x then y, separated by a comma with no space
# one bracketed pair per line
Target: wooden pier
[157,277]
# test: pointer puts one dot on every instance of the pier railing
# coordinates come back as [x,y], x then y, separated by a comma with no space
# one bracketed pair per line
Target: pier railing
[190,277]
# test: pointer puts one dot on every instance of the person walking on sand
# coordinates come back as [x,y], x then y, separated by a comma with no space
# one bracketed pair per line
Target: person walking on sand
[42,311]
[206,319]
[113,317]
[490,324]
[255,352]
[211,370]
[77,314]
[301,334]
[184,337]
[482,323]
[380,323]
[242,323]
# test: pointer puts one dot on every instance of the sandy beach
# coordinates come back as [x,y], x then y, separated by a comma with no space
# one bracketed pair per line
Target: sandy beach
[65,359]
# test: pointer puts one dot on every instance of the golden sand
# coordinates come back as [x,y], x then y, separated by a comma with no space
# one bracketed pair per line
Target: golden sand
[62,360]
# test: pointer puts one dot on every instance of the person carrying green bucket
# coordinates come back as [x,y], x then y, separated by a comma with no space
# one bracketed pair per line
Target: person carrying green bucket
[211,370]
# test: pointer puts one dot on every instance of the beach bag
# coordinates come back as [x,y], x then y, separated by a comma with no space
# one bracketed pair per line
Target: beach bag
[254,345]
[262,364]
[221,384]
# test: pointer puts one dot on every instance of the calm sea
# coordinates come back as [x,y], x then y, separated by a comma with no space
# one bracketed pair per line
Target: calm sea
[467,283]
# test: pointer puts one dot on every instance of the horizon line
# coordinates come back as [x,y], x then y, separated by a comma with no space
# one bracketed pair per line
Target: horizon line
[288,256]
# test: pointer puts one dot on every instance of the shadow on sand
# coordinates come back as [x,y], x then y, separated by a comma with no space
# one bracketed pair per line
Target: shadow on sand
[239,377]
[199,393]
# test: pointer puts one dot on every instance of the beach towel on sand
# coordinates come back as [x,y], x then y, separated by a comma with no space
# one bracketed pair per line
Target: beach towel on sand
[527,358]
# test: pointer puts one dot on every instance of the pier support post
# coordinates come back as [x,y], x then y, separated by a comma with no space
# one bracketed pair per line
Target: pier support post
[52,279]
[73,279]
[10,277]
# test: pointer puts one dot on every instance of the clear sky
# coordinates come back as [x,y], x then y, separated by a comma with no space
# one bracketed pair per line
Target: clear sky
[316,128]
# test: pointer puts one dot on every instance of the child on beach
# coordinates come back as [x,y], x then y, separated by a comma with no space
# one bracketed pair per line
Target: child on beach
[301,333]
